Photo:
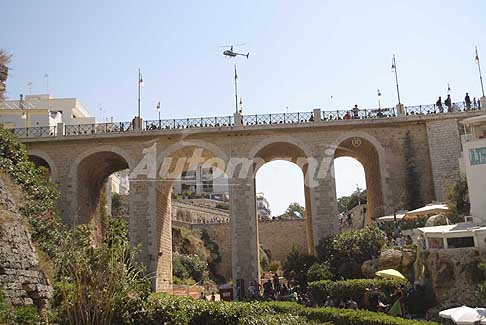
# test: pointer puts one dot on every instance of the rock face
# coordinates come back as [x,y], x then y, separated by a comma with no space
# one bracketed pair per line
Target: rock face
[20,278]
[453,273]
[389,259]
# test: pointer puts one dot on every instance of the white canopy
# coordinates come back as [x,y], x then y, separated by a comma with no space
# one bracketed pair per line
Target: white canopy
[428,210]
[465,315]
[391,218]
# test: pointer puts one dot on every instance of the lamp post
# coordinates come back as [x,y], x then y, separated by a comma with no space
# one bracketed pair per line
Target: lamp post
[25,113]
[140,84]
[379,99]
[479,69]
[394,68]
[158,109]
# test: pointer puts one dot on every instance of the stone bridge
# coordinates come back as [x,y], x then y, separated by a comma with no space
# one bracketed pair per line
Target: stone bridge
[409,160]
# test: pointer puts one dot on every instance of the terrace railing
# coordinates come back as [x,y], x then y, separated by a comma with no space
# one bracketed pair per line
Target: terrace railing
[99,128]
[36,132]
[246,120]
[280,118]
[189,123]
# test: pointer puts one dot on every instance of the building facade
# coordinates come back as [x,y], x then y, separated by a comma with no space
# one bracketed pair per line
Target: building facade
[202,180]
[474,164]
[43,110]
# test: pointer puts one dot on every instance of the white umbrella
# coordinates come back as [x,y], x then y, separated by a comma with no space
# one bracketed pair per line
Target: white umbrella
[465,315]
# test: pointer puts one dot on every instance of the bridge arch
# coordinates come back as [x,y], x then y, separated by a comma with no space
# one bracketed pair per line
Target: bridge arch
[369,152]
[40,158]
[288,149]
[89,173]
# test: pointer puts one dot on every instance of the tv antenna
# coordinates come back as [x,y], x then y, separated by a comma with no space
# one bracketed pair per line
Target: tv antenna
[230,53]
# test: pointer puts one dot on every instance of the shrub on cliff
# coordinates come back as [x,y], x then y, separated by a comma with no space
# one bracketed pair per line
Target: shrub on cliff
[103,283]
[41,195]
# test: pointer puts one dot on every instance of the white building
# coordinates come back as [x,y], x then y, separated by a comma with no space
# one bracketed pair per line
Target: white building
[263,207]
[461,235]
[202,180]
[43,110]
[474,164]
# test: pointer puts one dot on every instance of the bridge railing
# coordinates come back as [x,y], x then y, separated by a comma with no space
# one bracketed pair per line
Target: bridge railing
[246,120]
[84,129]
[359,114]
[188,123]
[36,132]
[279,118]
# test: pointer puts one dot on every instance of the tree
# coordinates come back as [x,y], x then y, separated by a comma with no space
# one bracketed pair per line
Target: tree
[293,211]
[345,252]
[347,203]
[297,265]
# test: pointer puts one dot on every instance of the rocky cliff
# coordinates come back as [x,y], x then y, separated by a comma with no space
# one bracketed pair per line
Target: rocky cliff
[21,280]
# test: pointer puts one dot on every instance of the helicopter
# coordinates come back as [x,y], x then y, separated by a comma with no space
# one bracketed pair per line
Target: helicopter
[232,54]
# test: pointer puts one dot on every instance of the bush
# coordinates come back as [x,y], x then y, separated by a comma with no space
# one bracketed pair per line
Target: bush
[297,265]
[39,204]
[348,289]
[21,315]
[319,272]
[102,283]
[458,201]
[345,252]
[189,267]
[165,309]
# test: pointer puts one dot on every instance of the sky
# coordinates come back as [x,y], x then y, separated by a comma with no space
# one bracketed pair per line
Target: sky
[301,54]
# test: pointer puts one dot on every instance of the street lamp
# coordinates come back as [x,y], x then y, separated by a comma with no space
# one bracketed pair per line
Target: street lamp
[479,69]
[158,109]
[379,99]
[25,113]
[140,84]
[394,69]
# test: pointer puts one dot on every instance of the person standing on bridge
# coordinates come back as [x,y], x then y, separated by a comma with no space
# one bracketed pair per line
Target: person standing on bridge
[355,112]
[439,105]
[467,99]
[448,103]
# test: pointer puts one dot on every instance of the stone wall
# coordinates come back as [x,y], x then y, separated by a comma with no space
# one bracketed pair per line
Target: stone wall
[21,280]
[453,273]
[445,151]
[277,236]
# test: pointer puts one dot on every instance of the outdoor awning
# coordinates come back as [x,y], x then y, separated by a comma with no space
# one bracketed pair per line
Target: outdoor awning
[464,228]
[426,211]
[391,218]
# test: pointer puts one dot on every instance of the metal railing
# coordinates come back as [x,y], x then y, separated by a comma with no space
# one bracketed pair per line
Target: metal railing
[359,114]
[188,123]
[246,120]
[436,109]
[36,132]
[279,118]
[99,128]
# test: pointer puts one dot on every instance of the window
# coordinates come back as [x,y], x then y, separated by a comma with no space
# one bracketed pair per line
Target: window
[459,242]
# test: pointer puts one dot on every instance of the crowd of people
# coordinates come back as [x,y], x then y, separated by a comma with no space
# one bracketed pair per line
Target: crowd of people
[275,289]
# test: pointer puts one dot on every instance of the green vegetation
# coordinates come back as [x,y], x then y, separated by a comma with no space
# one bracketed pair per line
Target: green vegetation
[95,281]
[347,203]
[165,309]
[458,201]
[319,271]
[100,283]
[346,251]
[293,210]
[195,256]
[20,315]
[349,289]
[481,292]
[297,265]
